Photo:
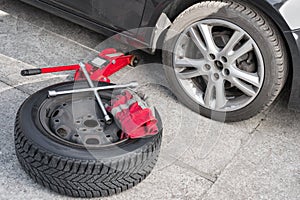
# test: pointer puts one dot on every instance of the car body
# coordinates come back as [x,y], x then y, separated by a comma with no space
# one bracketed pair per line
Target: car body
[110,17]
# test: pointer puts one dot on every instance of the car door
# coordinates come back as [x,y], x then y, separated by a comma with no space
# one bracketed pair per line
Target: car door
[116,14]
[79,7]
[119,14]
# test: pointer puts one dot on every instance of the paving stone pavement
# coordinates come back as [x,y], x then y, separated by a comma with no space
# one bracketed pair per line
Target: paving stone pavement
[200,159]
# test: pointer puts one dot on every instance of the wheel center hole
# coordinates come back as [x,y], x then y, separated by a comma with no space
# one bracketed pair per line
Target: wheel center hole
[91,123]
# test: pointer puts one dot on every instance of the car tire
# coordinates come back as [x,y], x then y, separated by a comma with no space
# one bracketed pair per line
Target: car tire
[75,170]
[229,97]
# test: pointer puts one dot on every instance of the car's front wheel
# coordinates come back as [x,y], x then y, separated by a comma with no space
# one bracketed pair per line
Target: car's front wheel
[225,60]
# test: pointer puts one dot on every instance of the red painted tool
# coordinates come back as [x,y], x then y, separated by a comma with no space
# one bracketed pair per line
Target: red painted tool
[108,62]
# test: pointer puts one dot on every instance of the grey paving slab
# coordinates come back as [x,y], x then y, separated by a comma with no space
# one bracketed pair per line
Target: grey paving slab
[37,46]
[268,166]
[51,23]
[14,182]
[170,182]
[10,69]
[269,170]
[282,123]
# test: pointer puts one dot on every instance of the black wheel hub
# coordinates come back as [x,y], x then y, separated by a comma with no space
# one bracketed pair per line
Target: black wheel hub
[79,121]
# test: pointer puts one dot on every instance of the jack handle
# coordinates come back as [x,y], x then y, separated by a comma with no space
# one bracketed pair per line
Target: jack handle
[31,72]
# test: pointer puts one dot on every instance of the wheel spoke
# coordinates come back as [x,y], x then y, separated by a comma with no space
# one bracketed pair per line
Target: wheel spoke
[197,40]
[234,40]
[215,96]
[221,99]
[207,35]
[188,74]
[188,62]
[209,94]
[197,64]
[246,89]
[251,78]
[245,48]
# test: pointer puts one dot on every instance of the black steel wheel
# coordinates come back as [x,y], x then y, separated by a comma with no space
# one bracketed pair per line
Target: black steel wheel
[64,144]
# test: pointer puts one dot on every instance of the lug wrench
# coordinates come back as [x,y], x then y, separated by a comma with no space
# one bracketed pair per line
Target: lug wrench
[53,93]
[94,89]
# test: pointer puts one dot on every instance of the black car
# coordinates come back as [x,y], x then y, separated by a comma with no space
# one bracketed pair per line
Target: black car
[227,60]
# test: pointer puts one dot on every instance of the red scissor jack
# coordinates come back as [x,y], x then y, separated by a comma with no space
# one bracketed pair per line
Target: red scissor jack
[129,110]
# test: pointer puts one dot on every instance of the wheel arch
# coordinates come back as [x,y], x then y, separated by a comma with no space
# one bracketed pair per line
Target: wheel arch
[173,8]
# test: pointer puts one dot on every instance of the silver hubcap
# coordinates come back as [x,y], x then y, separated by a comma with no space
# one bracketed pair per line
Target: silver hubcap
[219,65]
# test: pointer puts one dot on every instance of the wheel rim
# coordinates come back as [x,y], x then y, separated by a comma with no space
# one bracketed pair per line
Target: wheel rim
[219,65]
[76,120]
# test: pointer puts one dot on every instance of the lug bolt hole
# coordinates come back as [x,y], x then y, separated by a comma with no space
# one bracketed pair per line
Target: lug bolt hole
[217,76]
[207,67]
[219,65]
[226,72]
[224,59]
[212,56]
[62,132]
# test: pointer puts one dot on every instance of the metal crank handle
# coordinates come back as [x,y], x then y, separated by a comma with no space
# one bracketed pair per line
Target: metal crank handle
[53,93]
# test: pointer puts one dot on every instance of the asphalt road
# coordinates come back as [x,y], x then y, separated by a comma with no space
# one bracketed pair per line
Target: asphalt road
[200,159]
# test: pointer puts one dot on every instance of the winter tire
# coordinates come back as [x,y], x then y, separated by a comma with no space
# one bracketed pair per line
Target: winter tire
[54,155]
